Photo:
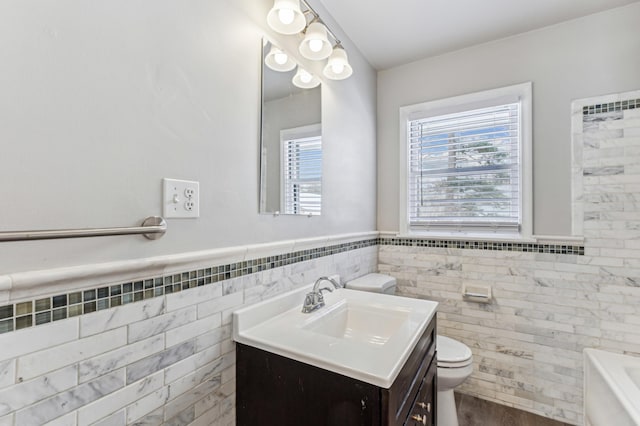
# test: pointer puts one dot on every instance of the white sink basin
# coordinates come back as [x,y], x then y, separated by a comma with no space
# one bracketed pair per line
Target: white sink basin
[366,336]
[611,389]
[366,324]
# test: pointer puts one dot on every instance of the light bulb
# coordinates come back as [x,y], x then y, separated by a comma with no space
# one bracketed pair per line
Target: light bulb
[305,77]
[280,58]
[286,16]
[337,67]
[315,45]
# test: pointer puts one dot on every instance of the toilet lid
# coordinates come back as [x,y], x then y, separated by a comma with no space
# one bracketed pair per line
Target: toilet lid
[376,283]
[452,353]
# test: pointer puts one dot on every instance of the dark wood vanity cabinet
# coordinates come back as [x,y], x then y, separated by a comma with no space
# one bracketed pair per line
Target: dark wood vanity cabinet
[275,390]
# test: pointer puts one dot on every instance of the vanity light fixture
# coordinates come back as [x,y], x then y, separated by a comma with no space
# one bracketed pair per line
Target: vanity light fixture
[304,79]
[338,67]
[315,45]
[286,17]
[278,60]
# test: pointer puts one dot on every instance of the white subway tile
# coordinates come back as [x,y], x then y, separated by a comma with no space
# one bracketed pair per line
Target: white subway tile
[115,419]
[143,329]
[218,305]
[193,296]
[188,365]
[97,366]
[159,361]
[38,363]
[118,400]
[7,373]
[101,321]
[213,337]
[31,391]
[193,329]
[70,419]
[34,339]
[146,406]
[68,401]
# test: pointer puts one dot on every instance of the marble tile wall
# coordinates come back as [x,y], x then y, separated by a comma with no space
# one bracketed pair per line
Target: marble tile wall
[165,360]
[547,307]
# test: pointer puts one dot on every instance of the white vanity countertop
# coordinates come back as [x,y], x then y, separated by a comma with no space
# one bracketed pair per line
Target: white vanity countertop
[365,336]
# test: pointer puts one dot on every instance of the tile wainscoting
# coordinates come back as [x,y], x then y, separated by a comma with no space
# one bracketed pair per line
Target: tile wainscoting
[548,307]
[166,359]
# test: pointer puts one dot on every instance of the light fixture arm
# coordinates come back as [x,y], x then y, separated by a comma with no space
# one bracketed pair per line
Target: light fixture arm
[316,18]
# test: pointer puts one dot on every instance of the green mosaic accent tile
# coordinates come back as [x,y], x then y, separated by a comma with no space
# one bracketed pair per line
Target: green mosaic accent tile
[60,300]
[43,304]
[24,322]
[611,107]
[90,307]
[24,308]
[75,298]
[43,317]
[6,311]
[89,295]
[59,314]
[75,310]
[6,326]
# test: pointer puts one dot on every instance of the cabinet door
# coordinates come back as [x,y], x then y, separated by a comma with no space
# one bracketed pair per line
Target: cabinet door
[423,411]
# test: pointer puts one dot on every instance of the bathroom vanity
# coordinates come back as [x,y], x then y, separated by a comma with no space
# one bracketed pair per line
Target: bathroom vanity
[363,359]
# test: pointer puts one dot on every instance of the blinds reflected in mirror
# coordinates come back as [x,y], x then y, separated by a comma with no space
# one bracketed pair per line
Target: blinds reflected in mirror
[302,171]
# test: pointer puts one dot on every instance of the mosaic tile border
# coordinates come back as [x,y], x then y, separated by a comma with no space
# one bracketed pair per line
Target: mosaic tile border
[485,245]
[45,310]
[611,107]
[31,313]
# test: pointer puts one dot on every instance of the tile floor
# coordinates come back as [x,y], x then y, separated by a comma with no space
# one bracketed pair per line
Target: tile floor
[474,411]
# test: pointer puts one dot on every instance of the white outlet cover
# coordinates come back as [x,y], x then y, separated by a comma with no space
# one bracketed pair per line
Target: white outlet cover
[175,201]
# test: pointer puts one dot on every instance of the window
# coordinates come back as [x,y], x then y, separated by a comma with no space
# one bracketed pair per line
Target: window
[302,170]
[466,164]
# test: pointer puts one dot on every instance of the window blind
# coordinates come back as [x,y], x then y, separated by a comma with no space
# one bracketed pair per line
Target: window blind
[302,168]
[464,170]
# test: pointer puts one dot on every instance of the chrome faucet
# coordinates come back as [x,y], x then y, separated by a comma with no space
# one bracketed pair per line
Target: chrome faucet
[314,299]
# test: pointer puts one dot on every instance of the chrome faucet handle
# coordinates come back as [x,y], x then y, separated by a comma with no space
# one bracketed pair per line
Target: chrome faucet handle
[312,301]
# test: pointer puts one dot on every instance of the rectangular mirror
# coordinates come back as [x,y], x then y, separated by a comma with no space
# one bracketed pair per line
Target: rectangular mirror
[291,141]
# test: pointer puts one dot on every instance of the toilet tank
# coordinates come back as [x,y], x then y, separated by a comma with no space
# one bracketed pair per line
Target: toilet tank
[375,283]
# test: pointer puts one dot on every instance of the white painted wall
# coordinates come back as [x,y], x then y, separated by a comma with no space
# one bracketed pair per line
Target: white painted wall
[590,56]
[101,100]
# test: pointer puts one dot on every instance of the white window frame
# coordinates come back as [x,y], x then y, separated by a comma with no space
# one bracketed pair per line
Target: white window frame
[302,132]
[487,98]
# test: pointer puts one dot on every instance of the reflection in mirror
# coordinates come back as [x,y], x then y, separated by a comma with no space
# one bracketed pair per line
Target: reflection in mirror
[291,145]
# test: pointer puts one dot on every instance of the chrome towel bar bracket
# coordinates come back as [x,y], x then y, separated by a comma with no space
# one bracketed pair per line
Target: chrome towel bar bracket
[152,228]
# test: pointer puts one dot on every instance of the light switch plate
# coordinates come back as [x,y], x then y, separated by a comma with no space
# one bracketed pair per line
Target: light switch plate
[180,198]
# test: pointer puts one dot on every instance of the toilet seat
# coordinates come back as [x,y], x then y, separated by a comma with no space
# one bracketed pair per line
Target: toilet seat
[451,353]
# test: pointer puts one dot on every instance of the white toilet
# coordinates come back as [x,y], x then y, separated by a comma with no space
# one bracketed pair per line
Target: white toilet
[454,358]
